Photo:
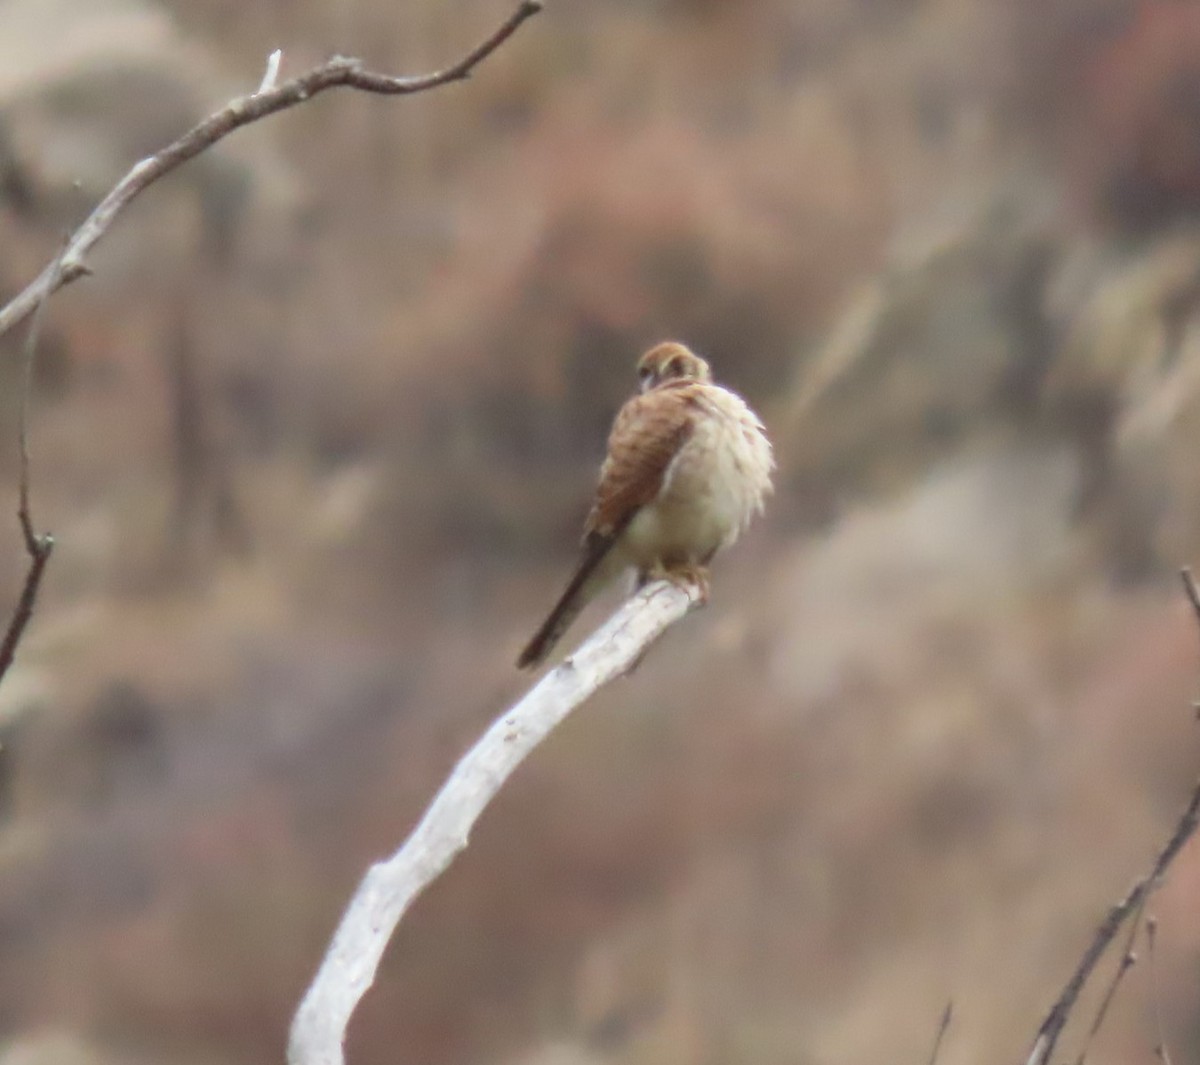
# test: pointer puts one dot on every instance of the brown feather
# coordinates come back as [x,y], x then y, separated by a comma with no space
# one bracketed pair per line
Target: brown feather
[570,603]
[648,432]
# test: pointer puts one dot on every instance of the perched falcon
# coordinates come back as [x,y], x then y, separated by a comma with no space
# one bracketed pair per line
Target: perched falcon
[688,466]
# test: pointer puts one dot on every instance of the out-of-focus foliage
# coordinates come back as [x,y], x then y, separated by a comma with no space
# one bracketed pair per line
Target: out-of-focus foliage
[317,439]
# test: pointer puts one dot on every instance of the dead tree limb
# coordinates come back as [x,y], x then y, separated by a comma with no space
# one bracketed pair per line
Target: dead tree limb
[389,887]
[339,71]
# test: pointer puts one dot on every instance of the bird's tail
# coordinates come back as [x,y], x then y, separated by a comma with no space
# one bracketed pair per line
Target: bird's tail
[570,603]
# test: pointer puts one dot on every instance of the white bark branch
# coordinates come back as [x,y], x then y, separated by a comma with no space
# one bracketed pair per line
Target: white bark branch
[389,887]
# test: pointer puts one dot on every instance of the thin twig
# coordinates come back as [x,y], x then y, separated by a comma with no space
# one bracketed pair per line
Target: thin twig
[1133,903]
[24,610]
[1160,1049]
[38,546]
[1056,1019]
[1127,962]
[1189,587]
[389,887]
[1193,594]
[271,74]
[33,543]
[947,1014]
[338,71]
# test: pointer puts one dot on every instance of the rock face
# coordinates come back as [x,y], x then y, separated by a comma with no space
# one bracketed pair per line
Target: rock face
[317,439]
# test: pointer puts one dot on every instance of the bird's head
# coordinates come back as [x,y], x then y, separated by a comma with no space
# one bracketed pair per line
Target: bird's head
[670,361]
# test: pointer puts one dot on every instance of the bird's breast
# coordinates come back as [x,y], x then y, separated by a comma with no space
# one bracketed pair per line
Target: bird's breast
[712,488]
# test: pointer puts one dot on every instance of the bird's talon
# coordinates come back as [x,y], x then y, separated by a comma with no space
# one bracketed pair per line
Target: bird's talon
[693,579]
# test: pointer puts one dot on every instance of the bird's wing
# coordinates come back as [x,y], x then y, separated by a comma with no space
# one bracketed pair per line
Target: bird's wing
[646,436]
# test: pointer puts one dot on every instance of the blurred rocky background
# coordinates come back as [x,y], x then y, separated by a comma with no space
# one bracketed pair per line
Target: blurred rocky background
[317,438]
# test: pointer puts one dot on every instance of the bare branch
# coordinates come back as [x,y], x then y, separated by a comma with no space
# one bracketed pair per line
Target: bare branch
[1056,1019]
[1133,904]
[390,886]
[24,611]
[338,71]
[1160,1048]
[1127,962]
[37,545]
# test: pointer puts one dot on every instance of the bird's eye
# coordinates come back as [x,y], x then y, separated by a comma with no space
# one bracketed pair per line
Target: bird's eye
[675,368]
[644,374]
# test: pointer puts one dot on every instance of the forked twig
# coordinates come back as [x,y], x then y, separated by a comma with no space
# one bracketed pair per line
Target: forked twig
[1133,904]
[38,546]
[1051,1028]
[1127,962]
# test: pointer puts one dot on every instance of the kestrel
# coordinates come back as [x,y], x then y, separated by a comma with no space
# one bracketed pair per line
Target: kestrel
[688,466]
